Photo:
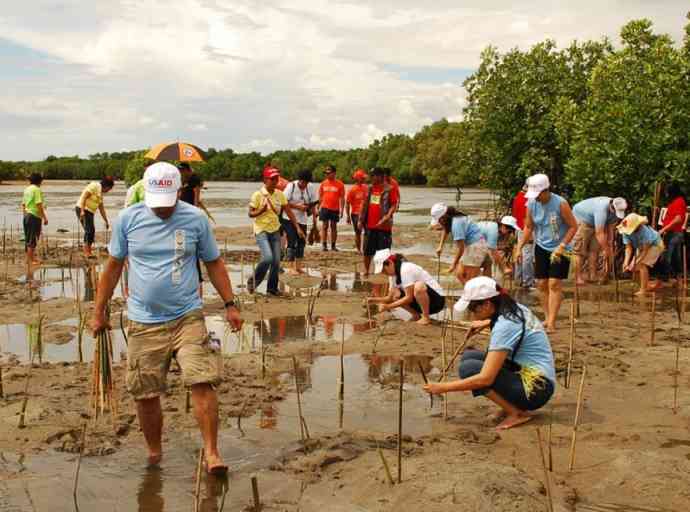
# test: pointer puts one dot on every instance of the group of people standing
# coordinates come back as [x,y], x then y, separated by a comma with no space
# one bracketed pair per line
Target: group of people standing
[368,208]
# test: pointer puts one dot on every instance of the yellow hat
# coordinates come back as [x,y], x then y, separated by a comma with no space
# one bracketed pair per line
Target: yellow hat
[629,224]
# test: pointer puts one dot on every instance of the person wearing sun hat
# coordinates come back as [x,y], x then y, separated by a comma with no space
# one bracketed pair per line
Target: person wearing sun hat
[411,287]
[596,219]
[550,221]
[353,204]
[638,236]
[517,372]
[472,249]
[162,237]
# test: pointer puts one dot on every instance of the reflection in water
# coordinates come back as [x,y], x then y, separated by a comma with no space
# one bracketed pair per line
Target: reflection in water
[150,493]
[385,369]
[278,330]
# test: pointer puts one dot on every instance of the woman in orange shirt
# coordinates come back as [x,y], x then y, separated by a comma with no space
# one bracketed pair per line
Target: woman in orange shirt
[353,204]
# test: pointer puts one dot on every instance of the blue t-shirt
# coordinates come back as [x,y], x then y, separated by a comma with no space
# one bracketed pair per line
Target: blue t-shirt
[464,228]
[162,253]
[595,212]
[489,231]
[549,226]
[535,350]
[643,235]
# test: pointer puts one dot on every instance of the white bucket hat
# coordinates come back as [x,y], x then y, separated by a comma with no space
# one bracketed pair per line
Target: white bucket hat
[619,206]
[161,183]
[536,185]
[479,288]
[511,221]
[438,211]
[380,258]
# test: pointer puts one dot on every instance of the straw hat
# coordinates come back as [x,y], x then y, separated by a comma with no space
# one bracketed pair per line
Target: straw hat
[629,224]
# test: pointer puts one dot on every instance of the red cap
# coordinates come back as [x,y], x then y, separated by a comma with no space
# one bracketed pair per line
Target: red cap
[360,174]
[271,172]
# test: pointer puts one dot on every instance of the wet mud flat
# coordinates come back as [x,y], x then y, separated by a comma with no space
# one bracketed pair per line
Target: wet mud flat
[633,443]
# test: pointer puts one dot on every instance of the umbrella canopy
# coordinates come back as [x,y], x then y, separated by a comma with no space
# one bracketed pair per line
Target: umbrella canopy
[178,151]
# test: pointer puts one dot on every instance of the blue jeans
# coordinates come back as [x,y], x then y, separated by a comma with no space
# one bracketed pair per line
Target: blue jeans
[673,255]
[269,245]
[524,273]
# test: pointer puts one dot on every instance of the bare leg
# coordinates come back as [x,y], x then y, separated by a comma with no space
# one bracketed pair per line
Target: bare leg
[543,285]
[514,416]
[334,233]
[206,412]
[367,264]
[422,297]
[593,262]
[555,299]
[324,234]
[87,250]
[358,242]
[579,262]
[151,421]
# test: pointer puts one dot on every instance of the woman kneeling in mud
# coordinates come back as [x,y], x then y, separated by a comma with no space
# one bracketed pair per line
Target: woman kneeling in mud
[517,372]
[411,287]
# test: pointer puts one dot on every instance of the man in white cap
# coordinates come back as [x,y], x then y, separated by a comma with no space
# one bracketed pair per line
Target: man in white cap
[596,219]
[162,238]
[552,223]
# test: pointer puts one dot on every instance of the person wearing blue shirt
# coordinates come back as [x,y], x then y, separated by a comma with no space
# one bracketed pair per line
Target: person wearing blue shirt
[551,222]
[596,219]
[472,250]
[162,239]
[517,372]
[638,236]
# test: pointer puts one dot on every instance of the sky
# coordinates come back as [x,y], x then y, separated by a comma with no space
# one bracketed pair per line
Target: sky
[88,76]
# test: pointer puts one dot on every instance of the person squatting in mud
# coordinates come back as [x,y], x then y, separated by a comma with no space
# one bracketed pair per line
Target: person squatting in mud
[517,371]
[411,288]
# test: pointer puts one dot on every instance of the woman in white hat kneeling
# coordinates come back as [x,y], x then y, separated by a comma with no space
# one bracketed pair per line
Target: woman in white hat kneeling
[411,287]
[517,372]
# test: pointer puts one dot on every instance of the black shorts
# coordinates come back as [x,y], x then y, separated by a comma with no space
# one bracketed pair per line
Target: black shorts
[32,230]
[354,218]
[326,215]
[377,240]
[436,302]
[545,269]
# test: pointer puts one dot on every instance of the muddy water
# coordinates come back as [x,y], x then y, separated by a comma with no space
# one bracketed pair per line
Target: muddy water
[121,483]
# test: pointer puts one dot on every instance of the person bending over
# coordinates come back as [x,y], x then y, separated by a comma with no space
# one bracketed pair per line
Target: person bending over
[638,236]
[411,287]
[517,371]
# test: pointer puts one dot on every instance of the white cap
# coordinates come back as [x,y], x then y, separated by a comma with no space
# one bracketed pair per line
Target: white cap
[438,211]
[379,259]
[511,221]
[479,288]
[536,185]
[619,206]
[161,183]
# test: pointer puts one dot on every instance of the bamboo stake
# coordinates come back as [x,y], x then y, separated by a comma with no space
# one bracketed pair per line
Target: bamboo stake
[457,353]
[400,418]
[426,381]
[438,268]
[443,376]
[25,402]
[386,468]
[2,389]
[197,487]
[255,494]
[299,402]
[188,401]
[571,346]
[576,423]
[548,440]
[76,472]
[652,335]
[547,481]
[341,384]
[676,372]
[577,300]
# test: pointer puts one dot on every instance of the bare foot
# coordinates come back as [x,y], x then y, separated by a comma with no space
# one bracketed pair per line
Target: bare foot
[292,272]
[581,282]
[496,416]
[550,329]
[215,465]
[513,421]
[154,459]
[640,293]
[424,321]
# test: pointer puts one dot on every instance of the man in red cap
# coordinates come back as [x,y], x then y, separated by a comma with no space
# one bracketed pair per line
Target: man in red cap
[353,204]
[265,208]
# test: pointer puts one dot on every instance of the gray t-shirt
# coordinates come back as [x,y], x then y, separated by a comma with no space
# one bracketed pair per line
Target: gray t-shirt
[296,195]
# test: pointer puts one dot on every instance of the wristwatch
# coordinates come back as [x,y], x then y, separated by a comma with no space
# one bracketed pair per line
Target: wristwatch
[230,304]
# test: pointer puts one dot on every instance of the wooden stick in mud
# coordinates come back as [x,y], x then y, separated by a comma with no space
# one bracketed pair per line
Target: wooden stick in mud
[438,268]
[299,401]
[197,487]
[457,353]
[386,468]
[548,440]
[76,472]
[685,266]
[22,414]
[652,334]
[255,494]
[400,418]
[676,372]
[576,423]
[571,347]
[426,381]
[444,361]
[341,384]
[547,482]
[577,300]
[188,401]
[2,389]
[242,283]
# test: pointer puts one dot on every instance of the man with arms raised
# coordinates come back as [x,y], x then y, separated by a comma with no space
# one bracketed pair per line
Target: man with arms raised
[162,237]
